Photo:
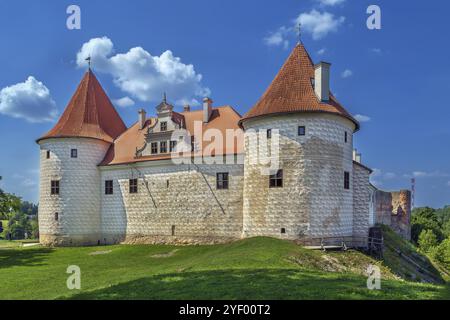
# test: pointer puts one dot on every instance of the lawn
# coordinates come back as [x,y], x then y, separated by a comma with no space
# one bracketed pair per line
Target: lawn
[257,268]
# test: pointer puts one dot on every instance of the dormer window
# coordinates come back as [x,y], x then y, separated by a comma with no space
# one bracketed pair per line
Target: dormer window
[164,126]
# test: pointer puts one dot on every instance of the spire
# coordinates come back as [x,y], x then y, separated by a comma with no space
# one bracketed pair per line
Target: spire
[165,97]
[89,114]
[292,90]
[299,33]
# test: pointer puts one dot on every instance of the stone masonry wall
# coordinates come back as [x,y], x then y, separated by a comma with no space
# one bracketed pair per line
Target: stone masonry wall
[78,204]
[361,199]
[312,201]
[174,204]
[394,209]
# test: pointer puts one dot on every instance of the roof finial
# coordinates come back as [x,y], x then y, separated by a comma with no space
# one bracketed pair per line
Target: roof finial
[165,98]
[299,32]
[88,59]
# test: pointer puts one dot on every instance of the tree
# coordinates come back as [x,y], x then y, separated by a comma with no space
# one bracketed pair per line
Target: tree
[425,219]
[427,240]
[9,204]
[19,226]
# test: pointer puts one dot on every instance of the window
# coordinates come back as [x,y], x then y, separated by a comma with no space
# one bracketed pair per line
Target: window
[172,146]
[222,180]
[109,187]
[133,185]
[301,130]
[269,133]
[154,147]
[346,180]
[173,230]
[346,137]
[283,230]
[192,144]
[56,216]
[54,187]
[48,154]
[276,180]
[164,126]
[163,147]
[74,153]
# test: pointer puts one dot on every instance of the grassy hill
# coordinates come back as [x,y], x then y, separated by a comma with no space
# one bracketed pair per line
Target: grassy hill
[257,268]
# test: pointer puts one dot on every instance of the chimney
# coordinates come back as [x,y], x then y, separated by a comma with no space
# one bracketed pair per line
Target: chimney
[322,81]
[187,108]
[207,109]
[142,118]
[356,156]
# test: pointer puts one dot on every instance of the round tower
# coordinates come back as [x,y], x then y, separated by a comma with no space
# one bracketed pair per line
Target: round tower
[70,184]
[310,193]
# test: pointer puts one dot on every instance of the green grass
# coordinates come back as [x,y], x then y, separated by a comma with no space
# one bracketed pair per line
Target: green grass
[257,268]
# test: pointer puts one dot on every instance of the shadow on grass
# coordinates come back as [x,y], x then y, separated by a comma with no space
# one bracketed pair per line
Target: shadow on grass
[259,284]
[23,257]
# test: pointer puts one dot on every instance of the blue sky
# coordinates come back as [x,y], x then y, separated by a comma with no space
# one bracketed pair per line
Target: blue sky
[396,77]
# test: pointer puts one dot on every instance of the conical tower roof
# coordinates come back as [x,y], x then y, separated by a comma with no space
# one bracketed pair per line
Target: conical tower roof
[89,114]
[292,91]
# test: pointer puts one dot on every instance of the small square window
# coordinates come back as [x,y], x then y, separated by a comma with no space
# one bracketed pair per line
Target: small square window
[74,153]
[133,185]
[301,130]
[163,147]
[164,126]
[276,180]
[54,187]
[154,147]
[48,154]
[269,133]
[346,180]
[283,230]
[222,180]
[109,187]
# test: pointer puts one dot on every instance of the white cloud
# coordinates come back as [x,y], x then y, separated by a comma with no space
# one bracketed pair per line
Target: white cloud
[346,73]
[362,118]
[319,24]
[30,100]
[124,102]
[321,51]
[278,38]
[389,175]
[330,2]
[376,50]
[142,75]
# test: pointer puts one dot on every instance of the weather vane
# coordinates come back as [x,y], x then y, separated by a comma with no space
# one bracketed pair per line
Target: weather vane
[299,32]
[88,59]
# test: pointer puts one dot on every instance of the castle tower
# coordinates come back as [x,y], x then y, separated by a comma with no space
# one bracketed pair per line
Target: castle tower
[311,195]
[70,186]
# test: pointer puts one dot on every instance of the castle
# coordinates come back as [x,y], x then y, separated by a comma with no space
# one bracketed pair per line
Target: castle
[104,183]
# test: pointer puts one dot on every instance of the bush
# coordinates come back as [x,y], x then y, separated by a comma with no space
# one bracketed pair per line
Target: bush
[425,219]
[427,241]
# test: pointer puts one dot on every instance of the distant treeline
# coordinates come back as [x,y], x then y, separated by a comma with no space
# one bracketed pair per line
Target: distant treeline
[18,219]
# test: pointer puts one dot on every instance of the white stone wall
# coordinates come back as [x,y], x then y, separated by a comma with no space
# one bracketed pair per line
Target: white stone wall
[78,204]
[361,200]
[182,198]
[313,201]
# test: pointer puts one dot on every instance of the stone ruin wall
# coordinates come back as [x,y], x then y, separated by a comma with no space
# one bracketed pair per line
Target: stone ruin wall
[394,209]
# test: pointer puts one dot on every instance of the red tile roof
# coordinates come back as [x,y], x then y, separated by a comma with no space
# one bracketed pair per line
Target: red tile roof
[123,150]
[89,114]
[292,91]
